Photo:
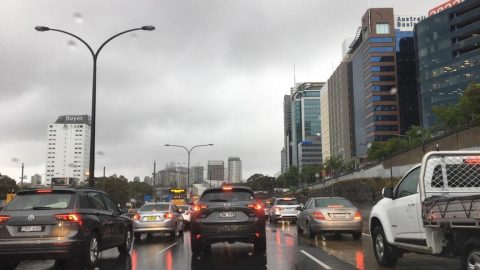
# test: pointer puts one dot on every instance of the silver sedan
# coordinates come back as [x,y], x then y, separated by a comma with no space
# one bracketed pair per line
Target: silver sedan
[157,218]
[329,215]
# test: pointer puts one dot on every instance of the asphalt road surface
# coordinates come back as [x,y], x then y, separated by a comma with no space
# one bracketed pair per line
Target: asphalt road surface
[285,250]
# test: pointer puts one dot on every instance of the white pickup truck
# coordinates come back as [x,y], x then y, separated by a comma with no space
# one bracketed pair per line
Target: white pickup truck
[434,209]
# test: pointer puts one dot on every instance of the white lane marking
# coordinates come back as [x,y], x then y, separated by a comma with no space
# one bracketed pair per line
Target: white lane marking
[366,234]
[315,259]
[163,250]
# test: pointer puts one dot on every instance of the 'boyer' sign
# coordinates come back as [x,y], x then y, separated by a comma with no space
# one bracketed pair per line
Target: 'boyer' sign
[444,6]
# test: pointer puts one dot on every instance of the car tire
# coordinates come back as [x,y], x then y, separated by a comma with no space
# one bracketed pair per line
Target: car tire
[195,246]
[310,233]
[260,245]
[92,251]
[137,236]
[470,253]
[126,246]
[8,263]
[357,235]
[299,230]
[384,252]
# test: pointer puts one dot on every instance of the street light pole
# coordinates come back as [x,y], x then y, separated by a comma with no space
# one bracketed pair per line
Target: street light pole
[21,180]
[188,152]
[91,175]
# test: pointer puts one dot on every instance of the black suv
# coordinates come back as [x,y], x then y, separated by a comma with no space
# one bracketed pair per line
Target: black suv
[63,224]
[227,214]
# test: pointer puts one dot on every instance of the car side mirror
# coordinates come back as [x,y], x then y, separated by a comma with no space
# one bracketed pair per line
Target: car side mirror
[300,208]
[387,192]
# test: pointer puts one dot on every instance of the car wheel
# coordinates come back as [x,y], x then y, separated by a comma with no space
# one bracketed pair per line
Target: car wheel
[357,235]
[260,245]
[92,251]
[299,230]
[470,258]
[195,246]
[137,236]
[384,252]
[126,246]
[9,263]
[310,233]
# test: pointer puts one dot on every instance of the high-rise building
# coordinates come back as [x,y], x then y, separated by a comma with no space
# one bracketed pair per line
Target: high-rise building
[339,103]
[448,47]
[286,157]
[216,170]
[36,180]
[375,104]
[68,150]
[234,170]
[196,174]
[305,125]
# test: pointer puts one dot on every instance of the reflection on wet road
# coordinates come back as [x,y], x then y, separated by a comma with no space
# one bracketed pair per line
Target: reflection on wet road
[285,250]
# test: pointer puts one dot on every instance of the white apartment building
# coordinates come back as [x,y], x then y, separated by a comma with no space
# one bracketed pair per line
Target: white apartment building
[234,170]
[68,150]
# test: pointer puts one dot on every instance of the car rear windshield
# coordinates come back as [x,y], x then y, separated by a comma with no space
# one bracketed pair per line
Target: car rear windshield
[183,207]
[41,201]
[287,202]
[154,207]
[226,196]
[333,202]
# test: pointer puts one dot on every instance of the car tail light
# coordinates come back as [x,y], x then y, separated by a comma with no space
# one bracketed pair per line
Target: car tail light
[4,218]
[73,218]
[198,207]
[43,191]
[168,216]
[227,188]
[136,217]
[256,206]
[358,216]
[318,216]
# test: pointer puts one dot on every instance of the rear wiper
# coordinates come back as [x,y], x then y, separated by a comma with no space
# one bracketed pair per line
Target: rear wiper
[218,200]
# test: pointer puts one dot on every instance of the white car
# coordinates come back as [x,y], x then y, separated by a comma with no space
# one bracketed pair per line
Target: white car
[186,211]
[284,209]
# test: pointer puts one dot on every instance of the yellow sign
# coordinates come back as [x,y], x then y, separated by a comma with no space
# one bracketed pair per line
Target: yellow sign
[178,202]
[177,190]
[10,197]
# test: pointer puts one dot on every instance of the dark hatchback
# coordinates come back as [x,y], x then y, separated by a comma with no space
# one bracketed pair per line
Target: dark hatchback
[62,224]
[227,214]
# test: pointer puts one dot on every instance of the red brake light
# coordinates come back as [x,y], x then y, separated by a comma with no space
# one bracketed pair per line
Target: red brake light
[227,188]
[73,218]
[256,206]
[358,216]
[168,216]
[318,216]
[4,218]
[136,217]
[198,207]
[43,191]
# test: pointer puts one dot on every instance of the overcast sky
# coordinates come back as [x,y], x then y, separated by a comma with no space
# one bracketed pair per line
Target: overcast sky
[213,71]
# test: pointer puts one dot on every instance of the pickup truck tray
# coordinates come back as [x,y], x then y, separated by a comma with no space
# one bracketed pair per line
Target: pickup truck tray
[455,212]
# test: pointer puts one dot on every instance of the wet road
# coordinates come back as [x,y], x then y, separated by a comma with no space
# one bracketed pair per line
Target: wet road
[284,251]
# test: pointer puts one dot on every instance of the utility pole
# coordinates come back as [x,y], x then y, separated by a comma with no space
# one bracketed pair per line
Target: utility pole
[104,179]
[21,179]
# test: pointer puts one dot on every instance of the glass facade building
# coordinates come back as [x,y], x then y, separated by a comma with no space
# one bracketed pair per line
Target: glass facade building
[306,124]
[448,48]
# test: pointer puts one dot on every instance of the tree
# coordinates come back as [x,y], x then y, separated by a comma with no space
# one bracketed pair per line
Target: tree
[334,165]
[138,190]
[309,172]
[463,113]
[7,185]
[260,182]
[116,187]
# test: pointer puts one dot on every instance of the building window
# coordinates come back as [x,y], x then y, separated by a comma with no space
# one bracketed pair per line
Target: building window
[383,98]
[382,78]
[381,59]
[383,28]
[380,49]
[382,68]
[386,127]
[385,108]
[381,39]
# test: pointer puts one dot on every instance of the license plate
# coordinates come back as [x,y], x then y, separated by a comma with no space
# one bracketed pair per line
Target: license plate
[227,214]
[31,228]
[151,218]
[339,215]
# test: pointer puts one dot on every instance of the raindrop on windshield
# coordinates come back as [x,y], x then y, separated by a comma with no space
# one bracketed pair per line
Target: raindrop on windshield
[78,17]
[72,45]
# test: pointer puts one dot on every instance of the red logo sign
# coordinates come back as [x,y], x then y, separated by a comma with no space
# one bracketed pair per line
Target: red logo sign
[443,7]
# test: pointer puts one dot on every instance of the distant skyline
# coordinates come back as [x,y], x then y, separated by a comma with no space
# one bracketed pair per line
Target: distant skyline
[213,71]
